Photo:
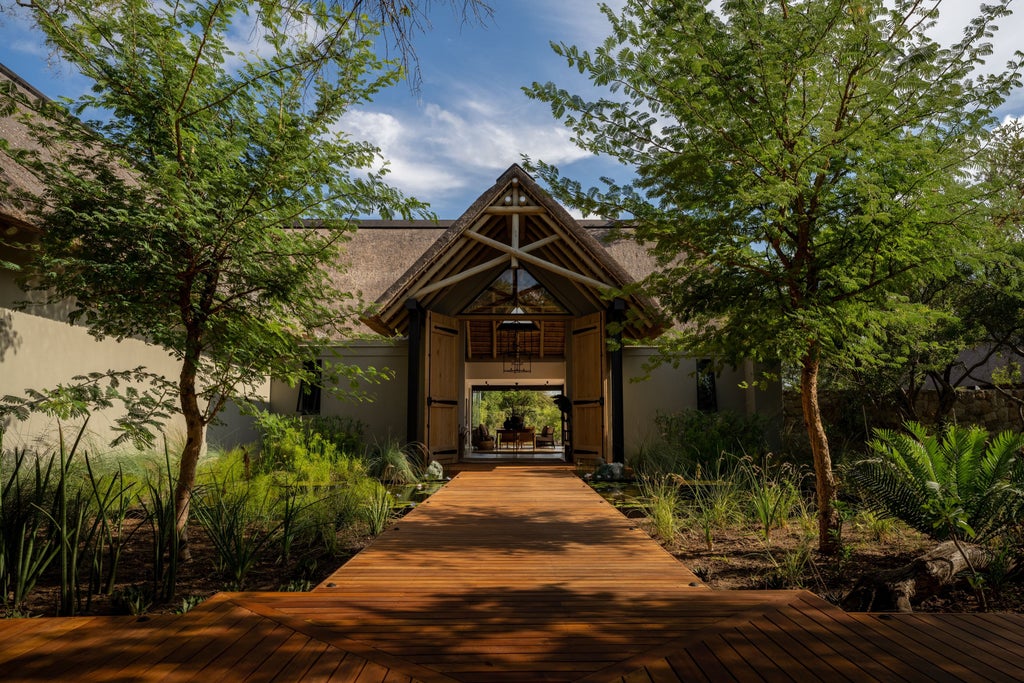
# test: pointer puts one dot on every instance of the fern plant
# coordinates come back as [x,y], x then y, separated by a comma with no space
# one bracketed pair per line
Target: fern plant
[956,485]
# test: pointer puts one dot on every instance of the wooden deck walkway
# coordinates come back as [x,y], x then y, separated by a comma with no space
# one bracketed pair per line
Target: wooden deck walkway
[516,573]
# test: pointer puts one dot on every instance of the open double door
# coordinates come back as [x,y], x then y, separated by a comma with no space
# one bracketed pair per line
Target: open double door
[587,387]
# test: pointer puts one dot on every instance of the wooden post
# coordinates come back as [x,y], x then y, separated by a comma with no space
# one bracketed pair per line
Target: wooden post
[415,387]
[617,314]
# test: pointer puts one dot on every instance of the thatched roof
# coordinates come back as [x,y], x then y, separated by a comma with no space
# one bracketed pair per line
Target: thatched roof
[13,176]
[378,252]
[517,221]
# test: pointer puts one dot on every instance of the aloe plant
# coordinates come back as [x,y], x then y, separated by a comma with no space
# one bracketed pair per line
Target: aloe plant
[959,485]
[25,550]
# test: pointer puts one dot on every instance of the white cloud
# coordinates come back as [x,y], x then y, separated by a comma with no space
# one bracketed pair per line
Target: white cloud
[437,151]
[577,22]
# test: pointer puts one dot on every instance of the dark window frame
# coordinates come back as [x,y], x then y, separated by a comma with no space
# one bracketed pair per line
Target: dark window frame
[310,393]
[707,390]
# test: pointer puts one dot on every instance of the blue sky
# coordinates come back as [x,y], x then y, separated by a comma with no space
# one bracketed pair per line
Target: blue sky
[470,120]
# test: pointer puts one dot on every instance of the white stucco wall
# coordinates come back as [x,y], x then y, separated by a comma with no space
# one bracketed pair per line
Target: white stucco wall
[384,414]
[671,389]
[40,350]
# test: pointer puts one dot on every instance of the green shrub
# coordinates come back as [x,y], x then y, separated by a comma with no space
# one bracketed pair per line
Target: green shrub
[959,485]
[656,458]
[699,439]
[294,443]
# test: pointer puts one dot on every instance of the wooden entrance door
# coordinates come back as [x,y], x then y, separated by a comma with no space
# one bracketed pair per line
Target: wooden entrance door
[587,387]
[442,373]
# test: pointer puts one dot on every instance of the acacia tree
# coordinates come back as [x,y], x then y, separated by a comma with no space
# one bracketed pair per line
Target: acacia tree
[797,165]
[983,301]
[173,217]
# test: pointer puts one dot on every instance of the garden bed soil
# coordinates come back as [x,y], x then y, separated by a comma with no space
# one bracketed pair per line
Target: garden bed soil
[740,560]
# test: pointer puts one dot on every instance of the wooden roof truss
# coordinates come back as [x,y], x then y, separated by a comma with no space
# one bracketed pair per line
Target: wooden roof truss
[515,224]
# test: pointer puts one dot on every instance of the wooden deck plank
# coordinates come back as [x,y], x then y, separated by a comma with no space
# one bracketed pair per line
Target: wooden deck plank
[23,636]
[925,654]
[951,636]
[514,573]
[922,660]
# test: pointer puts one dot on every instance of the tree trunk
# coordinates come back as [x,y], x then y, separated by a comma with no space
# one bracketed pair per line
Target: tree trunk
[195,434]
[895,589]
[824,478]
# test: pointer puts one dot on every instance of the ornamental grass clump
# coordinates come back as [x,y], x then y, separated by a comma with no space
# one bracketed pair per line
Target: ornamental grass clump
[773,495]
[716,504]
[661,498]
[238,521]
[378,509]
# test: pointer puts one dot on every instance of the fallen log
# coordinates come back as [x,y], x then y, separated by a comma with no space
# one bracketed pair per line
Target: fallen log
[897,589]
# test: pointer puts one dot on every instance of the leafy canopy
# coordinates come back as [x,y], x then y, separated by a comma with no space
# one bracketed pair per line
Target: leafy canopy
[796,163]
[173,217]
[799,166]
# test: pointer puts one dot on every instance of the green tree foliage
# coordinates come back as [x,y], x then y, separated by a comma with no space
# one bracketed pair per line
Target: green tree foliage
[174,217]
[536,407]
[798,166]
[978,305]
[958,485]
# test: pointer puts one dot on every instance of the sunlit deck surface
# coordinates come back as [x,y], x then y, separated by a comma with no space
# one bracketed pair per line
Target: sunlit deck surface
[516,573]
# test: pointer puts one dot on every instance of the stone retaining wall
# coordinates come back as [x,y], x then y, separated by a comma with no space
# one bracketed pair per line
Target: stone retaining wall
[985,407]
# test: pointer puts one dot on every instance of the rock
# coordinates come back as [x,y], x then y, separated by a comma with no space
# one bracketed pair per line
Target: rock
[435,472]
[612,471]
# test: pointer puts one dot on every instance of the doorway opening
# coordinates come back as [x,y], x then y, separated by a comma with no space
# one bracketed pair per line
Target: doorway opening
[518,422]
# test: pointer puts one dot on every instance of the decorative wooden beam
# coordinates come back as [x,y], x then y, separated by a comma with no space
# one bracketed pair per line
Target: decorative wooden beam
[526,256]
[470,272]
[459,277]
[499,210]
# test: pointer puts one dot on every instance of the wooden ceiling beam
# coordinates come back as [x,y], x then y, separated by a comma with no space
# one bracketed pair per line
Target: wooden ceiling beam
[475,270]
[505,210]
[539,262]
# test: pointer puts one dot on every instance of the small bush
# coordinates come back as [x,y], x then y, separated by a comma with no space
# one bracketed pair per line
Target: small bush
[700,439]
[692,440]
[959,485]
[298,444]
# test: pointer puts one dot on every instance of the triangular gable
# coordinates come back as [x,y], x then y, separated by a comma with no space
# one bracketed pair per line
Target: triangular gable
[532,297]
[515,222]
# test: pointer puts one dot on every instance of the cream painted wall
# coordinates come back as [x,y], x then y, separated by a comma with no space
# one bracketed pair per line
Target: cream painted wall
[46,352]
[384,416]
[671,389]
[39,350]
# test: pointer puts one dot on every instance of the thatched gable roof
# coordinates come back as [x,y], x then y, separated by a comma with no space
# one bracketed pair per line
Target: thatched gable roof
[14,177]
[378,252]
[516,220]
